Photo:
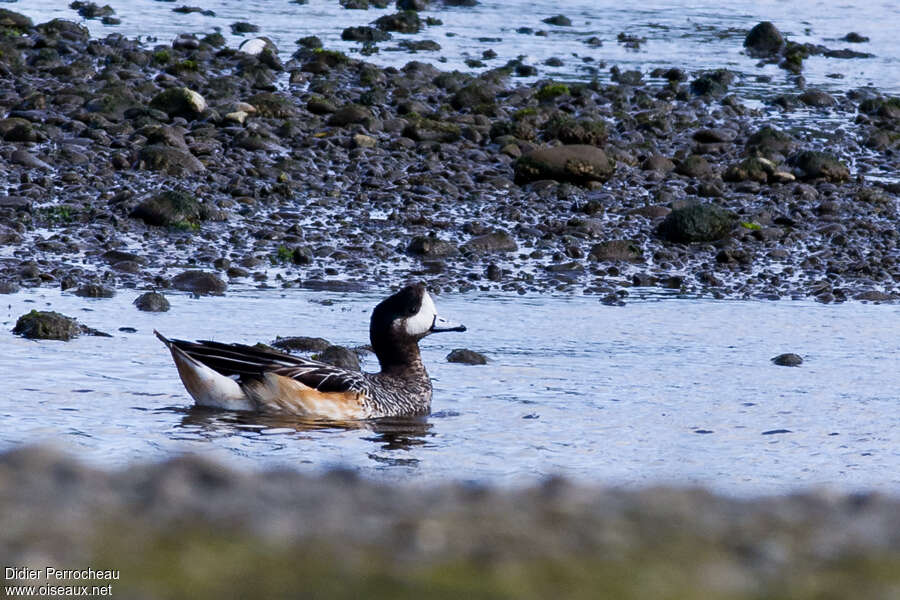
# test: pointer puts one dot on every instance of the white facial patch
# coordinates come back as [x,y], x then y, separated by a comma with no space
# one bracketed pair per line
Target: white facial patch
[421,322]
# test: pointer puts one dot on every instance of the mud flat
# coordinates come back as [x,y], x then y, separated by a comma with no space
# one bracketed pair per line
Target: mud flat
[125,165]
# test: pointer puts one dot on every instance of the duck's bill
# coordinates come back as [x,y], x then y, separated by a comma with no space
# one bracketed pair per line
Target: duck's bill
[440,324]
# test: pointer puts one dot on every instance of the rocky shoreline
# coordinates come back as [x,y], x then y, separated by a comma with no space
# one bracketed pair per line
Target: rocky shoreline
[192,526]
[128,166]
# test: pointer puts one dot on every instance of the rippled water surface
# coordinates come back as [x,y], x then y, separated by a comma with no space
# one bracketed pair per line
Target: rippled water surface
[694,36]
[660,390]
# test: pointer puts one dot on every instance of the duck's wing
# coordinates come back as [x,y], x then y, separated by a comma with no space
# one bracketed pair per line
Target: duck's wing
[271,380]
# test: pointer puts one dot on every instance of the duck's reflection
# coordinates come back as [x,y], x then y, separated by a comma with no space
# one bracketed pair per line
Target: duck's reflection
[392,433]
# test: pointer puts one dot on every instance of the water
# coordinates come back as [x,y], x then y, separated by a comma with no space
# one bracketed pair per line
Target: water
[701,35]
[658,391]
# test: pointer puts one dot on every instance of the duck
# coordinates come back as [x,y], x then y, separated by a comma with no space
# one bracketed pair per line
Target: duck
[247,378]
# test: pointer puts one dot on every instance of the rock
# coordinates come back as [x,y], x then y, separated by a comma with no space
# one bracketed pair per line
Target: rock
[788,360]
[712,83]
[764,40]
[751,169]
[8,287]
[657,162]
[431,247]
[360,140]
[180,102]
[8,236]
[339,356]
[768,141]
[350,114]
[813,164]
[855,38]
[715,135]
[498,241]
[18,203]
[430,130]
[474,96]
[696,223]
[467,357]
[694,166]
[27,159]
[365,34]
[874,296]
[575,131]
[558,20]
[318,105]
[168,160]
[417,5]
[46,325]
[93,290]
[407,21]
[817,98]
[199,282]
[571,163]
[241,27]
[152,302]
[301,344]
[169,208]
[15,21]
[616,250]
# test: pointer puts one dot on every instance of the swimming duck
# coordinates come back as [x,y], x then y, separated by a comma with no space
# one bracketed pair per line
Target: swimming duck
[240,377]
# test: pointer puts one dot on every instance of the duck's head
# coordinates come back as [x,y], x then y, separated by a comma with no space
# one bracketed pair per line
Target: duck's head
[401,320]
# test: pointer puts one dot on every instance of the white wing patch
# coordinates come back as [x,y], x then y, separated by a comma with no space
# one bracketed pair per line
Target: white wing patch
[421,322]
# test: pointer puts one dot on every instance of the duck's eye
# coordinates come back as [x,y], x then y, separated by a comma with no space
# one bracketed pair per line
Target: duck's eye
[412,310]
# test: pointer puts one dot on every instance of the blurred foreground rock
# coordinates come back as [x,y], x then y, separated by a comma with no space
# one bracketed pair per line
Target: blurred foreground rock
[189,527]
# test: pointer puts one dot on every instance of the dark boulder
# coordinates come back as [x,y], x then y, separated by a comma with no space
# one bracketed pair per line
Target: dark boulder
[48,325]
[431,247]
[339,356]
[497,241]
[301,344]
[152,302]
[571,163]
[180,102]
[788,360]
[466,357]
[169,208]
[168,160]
[764,40]
[696,223]
[813,164]
[616,250]
[199,282]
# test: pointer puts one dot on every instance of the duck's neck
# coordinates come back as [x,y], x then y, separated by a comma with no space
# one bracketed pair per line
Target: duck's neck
[401,360]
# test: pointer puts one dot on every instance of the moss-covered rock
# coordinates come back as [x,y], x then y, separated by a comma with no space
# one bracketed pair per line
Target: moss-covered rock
[571,163]
[712,83]
[431,130]
[11,21]
[696,223]
[168,160]
[569,130]
[170,208]
[769,141]
[273,105]
[180,102]
[813,164]
[750,169]
[47,325]
[406,21]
